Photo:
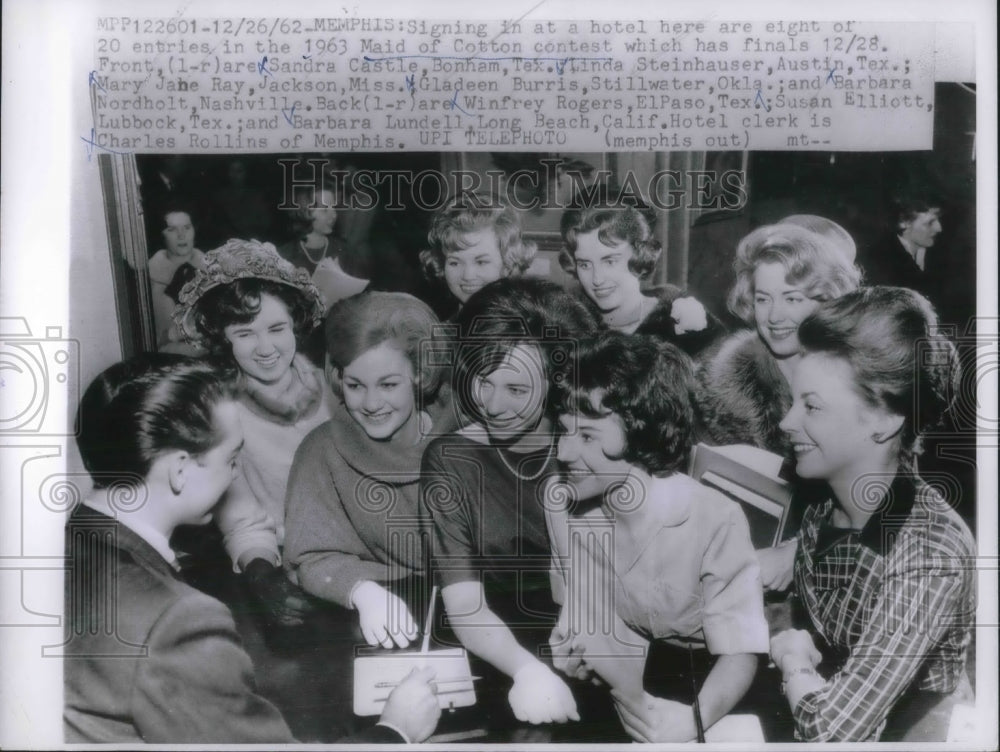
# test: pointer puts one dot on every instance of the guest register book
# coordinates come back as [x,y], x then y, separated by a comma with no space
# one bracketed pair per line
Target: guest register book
[376,676]
[749,476]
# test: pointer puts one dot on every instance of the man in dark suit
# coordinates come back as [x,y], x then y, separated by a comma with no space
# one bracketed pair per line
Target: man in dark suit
[147,657]
[151,659]
[902,258]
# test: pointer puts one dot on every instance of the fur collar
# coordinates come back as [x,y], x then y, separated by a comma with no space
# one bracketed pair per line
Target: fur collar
[743,394]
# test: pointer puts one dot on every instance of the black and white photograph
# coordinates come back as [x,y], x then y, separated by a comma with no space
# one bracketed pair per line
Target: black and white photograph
[498,377]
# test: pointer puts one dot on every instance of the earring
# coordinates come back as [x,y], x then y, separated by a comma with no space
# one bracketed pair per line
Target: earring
[881,438]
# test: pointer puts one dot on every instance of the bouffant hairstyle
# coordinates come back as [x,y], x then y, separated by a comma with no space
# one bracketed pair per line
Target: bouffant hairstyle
[648,385]
[901,363]
[239,302]
[468,213]
[826,228]
[811,261]
[140,408]
[359,323]
[512,312]
[618,219]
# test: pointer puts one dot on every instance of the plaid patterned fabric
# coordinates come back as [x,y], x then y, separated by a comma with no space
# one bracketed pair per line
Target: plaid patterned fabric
[898,596]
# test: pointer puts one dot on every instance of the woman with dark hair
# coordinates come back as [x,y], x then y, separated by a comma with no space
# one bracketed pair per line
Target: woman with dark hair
[352,535]
[474,240]
[251,310]
[480,487]
[883,566]
[312,222]
[149,658]
[610,248]
[313,247]
[673,556]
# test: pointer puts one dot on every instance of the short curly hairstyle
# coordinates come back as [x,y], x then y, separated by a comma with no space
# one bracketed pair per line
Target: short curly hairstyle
[512,312]
[359,323]
[901,362]
[239,303]
[649,385]
[468,213]
[810,260]
[617,222]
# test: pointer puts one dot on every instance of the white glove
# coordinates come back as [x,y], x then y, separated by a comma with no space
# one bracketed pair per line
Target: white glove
[539,696]
[384,617]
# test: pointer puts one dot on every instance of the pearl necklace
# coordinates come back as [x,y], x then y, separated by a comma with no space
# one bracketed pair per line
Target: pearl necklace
[536,476]
[326,246]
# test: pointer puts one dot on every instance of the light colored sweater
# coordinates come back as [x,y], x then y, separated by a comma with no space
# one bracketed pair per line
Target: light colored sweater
[252,514]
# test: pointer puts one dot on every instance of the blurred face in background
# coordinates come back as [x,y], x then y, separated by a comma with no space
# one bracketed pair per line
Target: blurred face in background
[922,229]
[324,216]
[178,235]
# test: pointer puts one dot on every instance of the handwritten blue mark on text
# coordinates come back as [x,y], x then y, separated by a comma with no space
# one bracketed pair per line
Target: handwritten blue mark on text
[92,144]
[93,80]
[454,105]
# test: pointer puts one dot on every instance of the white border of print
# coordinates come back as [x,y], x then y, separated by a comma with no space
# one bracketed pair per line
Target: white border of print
[49,186]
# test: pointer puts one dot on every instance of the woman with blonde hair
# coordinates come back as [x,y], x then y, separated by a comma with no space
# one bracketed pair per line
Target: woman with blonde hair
[474,240]
[783,273]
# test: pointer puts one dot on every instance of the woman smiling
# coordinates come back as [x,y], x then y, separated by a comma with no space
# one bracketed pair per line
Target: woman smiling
[611,249]
[252,309]
[675,567]
[883,565]
[357,476]
[783,273]
[480,489]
